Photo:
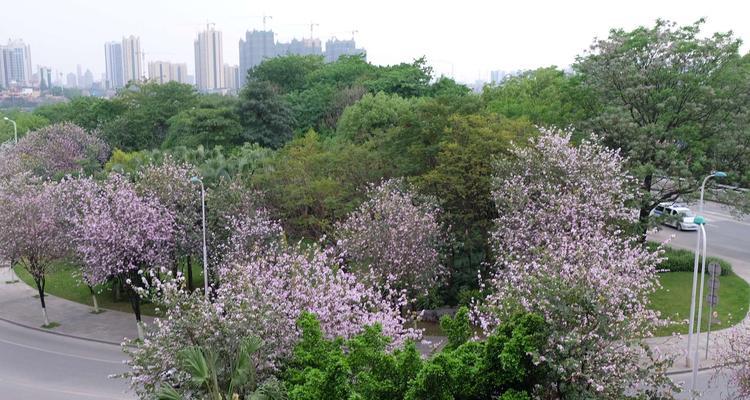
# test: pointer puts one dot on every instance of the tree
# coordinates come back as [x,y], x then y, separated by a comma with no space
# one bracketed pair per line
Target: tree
[394,239]
[735,356]
[313,182]
[33,230]
[561,254]
[405,79]
[501,366]
[667,97]
[89,112]
[207,127]
[545,96]
[170,183]
[263,286]
[264,115]
[54,151]
[25,122]
[120,234]
[147,108]
[461,181]
[289,73]
[372,115]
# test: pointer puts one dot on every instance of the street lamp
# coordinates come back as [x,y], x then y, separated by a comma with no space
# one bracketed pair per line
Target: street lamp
[702,224]
[717,174]
[197,180]
[15,128]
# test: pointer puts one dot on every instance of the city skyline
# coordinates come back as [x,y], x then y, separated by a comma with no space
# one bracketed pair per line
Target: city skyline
[466,42]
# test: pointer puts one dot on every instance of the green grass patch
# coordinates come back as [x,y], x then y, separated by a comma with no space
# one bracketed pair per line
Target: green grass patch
[673,301]
[64,282]
[51,325]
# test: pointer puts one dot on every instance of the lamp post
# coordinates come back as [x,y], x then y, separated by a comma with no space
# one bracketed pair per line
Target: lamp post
[15,128]
[718,174]
[197,180]
[702,224]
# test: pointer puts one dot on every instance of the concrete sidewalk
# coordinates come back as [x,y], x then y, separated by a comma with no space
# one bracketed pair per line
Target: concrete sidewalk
[19,306]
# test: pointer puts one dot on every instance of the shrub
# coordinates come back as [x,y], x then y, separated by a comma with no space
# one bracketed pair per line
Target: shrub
[503,366]
[681,260]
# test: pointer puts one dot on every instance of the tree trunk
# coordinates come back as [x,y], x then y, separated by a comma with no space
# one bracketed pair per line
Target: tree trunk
[135,303]
[40,288]
[93,297]
[643,216]
[190,273]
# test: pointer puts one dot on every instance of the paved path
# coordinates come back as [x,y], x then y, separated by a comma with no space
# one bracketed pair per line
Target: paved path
[18,304]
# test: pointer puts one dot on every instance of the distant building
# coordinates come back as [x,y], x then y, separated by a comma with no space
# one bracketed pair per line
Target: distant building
[209,60]
[79,75]
[256,47]
[304,47]
[231,77]
[179,73]
[114,65]
[15,58]
[71,80]
[336,48]
[132,61]
[88,80]
[164,71]
[45,78]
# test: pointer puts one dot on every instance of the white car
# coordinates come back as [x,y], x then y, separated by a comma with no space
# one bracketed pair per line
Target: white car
[676,216]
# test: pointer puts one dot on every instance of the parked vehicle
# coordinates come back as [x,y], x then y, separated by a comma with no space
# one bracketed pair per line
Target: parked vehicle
[677,216]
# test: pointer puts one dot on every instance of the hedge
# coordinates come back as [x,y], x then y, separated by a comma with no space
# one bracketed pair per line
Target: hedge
[682,260]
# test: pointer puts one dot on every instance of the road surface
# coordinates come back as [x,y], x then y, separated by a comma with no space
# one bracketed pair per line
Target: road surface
[40,365]
[710,385]
[728,237]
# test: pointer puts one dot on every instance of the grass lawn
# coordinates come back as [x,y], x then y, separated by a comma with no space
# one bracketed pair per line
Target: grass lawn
[64,283]
[673,300]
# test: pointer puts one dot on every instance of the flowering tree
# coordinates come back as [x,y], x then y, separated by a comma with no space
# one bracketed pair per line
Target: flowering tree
[169,182]
[394,238]
[265,285]
[735,354]
[53,151]
[561,255]
[120,234]
[32,228]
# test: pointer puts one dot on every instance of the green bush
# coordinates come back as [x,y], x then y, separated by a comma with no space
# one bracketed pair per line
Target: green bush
[499,367]
[682,260]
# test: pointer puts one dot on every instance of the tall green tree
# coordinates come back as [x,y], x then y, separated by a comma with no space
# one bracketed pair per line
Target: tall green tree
[667,96]
[213,122]
[265,116]
[147,108]
[546,96]
[288,73]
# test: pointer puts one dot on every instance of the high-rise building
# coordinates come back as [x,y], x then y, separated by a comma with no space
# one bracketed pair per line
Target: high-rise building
[231,77]
[16,60]
[132,61]
[159,71]
[179,73]
[71,80]
[165,71]
[79,75]
[88,80]
[114,74]
[209,60]
[45,78]
[304,47]
[336,48]
[256,47]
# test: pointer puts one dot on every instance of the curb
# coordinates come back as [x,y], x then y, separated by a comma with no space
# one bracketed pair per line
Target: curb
[60,333]
[687,371]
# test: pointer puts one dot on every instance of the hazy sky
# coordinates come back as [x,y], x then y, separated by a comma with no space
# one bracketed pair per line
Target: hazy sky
[467,37]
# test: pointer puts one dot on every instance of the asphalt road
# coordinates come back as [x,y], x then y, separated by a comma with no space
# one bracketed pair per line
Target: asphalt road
[39,365]
[728,237]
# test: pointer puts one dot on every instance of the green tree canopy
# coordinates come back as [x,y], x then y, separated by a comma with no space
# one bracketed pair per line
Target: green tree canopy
[667,97]
[265,116]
